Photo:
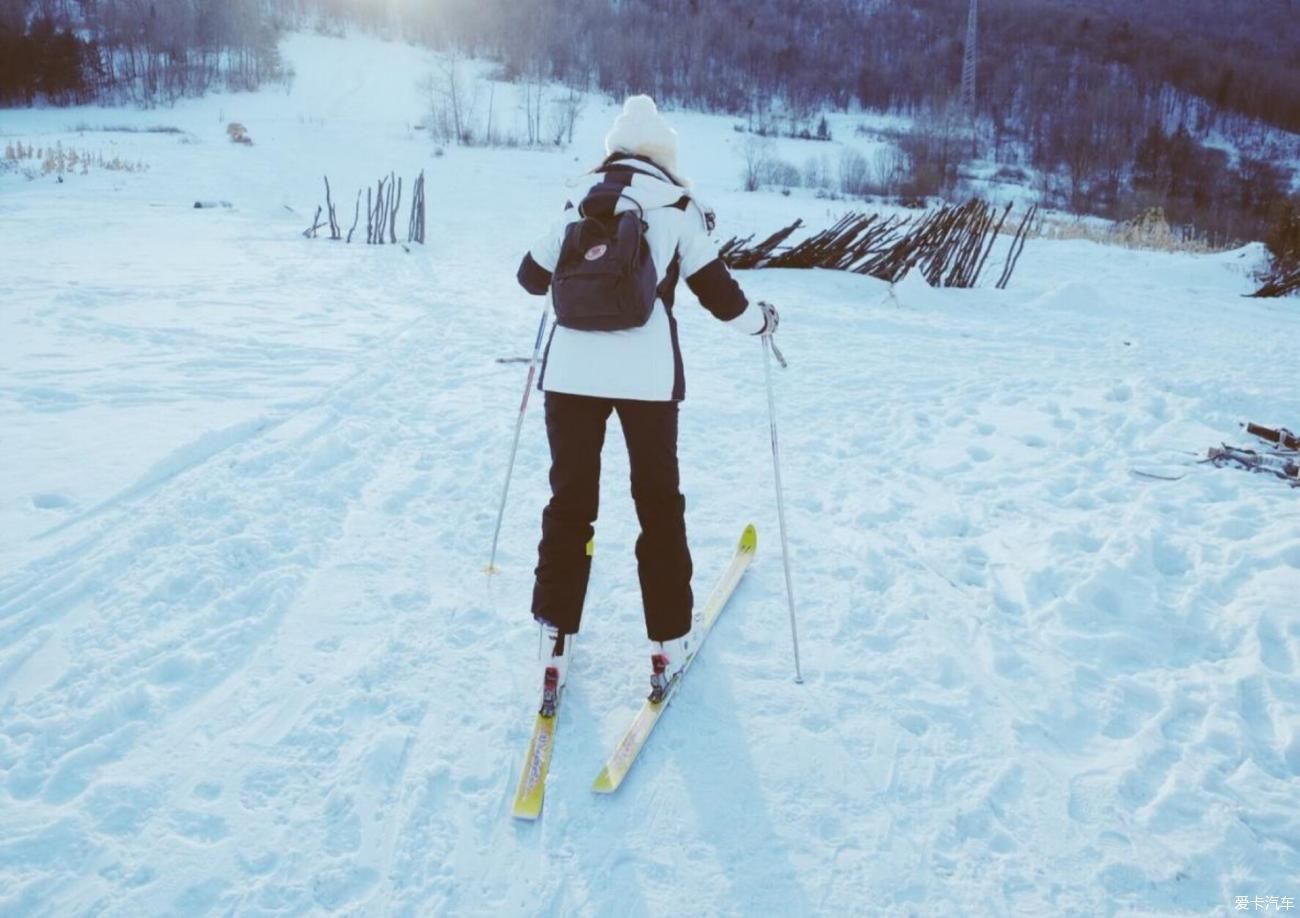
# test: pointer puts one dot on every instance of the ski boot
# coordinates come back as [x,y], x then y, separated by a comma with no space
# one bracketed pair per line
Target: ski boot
[667,658]
[555,667]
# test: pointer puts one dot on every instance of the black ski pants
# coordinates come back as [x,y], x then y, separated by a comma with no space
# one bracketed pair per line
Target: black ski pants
[575,427]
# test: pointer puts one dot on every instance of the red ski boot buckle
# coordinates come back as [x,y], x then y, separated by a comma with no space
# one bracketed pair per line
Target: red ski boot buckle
[550,691]
[658,684]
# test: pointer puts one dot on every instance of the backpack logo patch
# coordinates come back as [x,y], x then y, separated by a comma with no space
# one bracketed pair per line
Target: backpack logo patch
[595,252]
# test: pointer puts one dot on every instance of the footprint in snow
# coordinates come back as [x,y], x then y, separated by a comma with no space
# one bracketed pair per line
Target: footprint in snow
[914,724]
[1238,529]
[1169,559]
[1043,587]
[1182,720]
[204,828]
[1158,408]
[1273,651]
[123,809]
[1009,665]
[1137,706]
[51,502]
[1091,798]
[1293,756]
[1254,703]
[975,565]
[257,863]
[262,785]
[208,790]
[1177,811]
[1140,784]
[1063,487]
[117,874]
[409,600]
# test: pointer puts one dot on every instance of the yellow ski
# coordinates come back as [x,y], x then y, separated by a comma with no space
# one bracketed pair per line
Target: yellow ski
[624,755]
[532,777]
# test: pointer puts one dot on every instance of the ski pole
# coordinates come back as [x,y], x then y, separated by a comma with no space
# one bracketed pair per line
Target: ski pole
[519,425]
[770,348]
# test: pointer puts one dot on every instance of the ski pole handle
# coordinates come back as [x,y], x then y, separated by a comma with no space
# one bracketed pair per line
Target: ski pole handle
[771,319]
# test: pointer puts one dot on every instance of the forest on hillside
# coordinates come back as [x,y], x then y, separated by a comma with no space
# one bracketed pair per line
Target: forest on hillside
[1183,104]
[64,52]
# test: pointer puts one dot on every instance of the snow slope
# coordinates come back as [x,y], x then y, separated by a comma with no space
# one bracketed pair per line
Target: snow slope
[250,664]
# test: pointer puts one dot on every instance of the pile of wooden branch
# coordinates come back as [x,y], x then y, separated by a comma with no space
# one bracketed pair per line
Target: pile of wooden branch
[382,205]
[1280,458]
[1283,243]
[950,246]
[1280,282]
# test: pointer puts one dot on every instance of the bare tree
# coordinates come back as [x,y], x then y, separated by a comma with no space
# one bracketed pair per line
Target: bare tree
[565,114]
[757,152]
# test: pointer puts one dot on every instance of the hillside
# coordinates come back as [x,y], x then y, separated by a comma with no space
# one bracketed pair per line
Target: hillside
[1114,109]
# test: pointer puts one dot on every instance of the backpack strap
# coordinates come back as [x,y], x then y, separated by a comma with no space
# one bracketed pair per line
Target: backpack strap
[601,202]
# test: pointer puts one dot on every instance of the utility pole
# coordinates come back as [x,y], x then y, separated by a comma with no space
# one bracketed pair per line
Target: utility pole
[968,64]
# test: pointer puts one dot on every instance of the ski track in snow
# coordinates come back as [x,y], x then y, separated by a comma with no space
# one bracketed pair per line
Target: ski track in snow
[250,664]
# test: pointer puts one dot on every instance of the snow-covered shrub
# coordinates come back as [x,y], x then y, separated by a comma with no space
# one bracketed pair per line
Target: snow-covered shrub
[15,152]
[781,173]
[816,172]
[61,160]
[882,175]
[1013,175]
[238,133]
[769,123]
[1149,230]
[84,127]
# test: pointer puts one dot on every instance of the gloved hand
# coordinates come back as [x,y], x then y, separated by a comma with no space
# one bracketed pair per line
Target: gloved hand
[770,318]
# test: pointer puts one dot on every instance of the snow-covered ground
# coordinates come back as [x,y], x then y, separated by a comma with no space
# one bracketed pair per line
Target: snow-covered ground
[250,663]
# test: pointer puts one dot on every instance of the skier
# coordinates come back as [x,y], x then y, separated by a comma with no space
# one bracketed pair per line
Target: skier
[637,373]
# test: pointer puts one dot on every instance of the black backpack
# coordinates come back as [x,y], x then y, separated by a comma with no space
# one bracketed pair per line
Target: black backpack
[605,279]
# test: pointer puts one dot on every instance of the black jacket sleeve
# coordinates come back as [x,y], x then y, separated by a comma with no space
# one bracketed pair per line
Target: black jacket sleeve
[718,291]
[533,277]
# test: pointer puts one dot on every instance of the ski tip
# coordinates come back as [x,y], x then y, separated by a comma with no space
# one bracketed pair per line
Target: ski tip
[749,540]
[604,783]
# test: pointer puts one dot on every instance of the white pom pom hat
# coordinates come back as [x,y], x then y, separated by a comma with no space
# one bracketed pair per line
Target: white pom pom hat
[642,131]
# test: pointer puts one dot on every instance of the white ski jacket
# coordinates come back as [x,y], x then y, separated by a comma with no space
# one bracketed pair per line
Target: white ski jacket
[645,363]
